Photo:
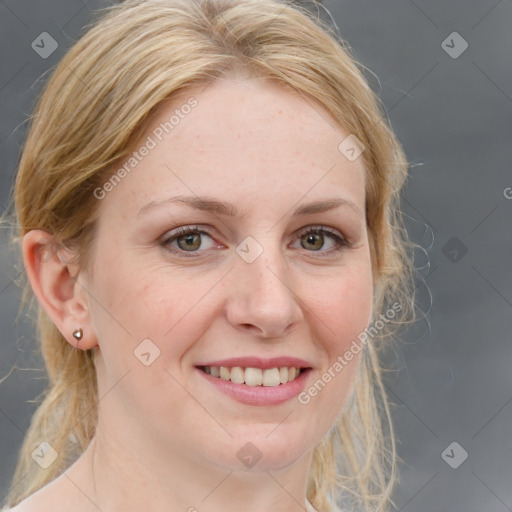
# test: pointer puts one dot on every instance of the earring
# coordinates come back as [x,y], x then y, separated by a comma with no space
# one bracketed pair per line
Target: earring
[78,334]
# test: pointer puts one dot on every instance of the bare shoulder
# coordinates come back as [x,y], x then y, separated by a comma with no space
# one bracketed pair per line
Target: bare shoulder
[34,503]
[40,503]
[23,506]
[60,495]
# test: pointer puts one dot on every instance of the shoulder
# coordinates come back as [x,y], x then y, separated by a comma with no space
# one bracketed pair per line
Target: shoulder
[20,507]
[332,508]
[336,508]
[30,504]
[60,495]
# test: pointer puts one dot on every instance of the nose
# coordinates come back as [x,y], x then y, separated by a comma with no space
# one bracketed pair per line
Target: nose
[261,298]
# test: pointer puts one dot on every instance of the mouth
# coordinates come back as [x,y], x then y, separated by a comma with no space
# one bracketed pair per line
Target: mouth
[254,377]
[257,381]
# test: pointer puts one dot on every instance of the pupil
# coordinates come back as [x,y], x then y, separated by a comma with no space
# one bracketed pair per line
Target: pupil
[315,241]
[191,242]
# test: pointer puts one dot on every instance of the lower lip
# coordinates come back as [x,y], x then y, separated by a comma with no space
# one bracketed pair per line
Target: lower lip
[259,395]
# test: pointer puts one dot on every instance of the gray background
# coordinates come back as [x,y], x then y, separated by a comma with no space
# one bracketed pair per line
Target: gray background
[452,379]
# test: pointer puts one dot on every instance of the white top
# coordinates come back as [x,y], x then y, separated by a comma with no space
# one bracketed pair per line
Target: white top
[310,508]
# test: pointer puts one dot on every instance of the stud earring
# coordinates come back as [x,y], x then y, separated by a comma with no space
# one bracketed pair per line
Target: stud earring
[78,334]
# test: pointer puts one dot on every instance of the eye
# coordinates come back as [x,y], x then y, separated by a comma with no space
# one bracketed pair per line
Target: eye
[322,239]
[188,239]
[193,239]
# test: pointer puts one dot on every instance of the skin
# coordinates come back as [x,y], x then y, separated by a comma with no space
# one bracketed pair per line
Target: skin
[164,433]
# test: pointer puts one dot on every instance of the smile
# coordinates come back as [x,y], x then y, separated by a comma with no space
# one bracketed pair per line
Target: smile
[269,377]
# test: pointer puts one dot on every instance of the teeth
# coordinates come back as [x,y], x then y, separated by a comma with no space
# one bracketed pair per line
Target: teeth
[237,375]
[270,377]
[253,377]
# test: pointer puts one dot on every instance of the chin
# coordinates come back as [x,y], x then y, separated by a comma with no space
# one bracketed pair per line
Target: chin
[264,452]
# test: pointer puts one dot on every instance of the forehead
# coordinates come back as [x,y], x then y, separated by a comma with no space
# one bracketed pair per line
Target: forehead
[249,139]
[233,113]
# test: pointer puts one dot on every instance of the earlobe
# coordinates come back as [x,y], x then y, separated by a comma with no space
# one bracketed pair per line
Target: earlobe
[78,334]
[52,276]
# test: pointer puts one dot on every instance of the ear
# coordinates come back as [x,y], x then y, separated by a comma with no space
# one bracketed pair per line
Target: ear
[53,277]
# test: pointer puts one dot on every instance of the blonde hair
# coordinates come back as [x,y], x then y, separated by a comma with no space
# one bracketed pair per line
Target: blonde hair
[101,98]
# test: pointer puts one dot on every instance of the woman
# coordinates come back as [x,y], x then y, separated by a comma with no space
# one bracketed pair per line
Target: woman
[208,202]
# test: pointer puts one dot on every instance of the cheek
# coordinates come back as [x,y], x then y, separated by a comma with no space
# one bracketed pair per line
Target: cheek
[350,310]
[342,310]
[139,300]
[344,305]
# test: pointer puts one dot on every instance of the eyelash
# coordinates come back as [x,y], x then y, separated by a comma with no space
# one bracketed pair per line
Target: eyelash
[341,242]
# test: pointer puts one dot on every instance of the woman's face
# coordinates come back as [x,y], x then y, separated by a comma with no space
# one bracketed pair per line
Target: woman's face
[236,239]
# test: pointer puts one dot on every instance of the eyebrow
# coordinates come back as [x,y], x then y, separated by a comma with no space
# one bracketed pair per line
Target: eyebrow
[206,203]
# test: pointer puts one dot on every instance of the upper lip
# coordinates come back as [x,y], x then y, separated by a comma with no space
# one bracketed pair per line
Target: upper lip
[258,362]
